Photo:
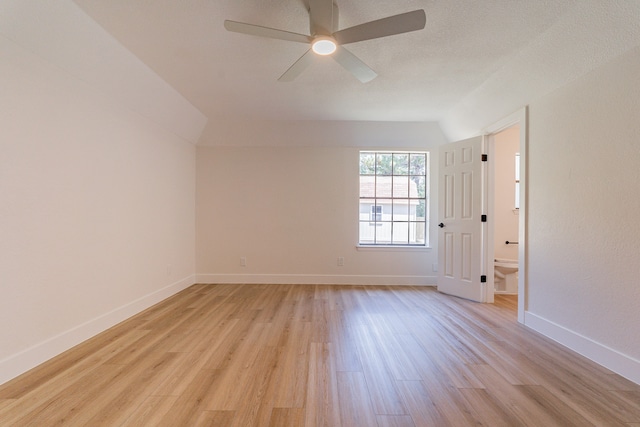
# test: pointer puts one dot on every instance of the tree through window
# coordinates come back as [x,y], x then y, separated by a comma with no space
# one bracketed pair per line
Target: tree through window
[393,198]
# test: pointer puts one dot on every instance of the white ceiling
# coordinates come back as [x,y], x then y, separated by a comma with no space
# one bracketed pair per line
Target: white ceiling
[421,75]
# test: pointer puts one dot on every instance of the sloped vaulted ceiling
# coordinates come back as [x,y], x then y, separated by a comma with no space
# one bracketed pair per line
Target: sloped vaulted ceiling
[475,60]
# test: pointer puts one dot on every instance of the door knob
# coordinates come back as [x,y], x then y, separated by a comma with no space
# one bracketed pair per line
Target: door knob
[441,225]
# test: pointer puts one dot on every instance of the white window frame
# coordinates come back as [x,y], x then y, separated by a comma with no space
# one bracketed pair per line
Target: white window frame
[405,213]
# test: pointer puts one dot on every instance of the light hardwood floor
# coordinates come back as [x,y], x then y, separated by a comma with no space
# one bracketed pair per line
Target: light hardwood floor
[300,355]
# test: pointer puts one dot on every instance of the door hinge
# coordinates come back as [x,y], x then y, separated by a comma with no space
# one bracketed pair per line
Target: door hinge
[483,218]
[483,279]
[485,157]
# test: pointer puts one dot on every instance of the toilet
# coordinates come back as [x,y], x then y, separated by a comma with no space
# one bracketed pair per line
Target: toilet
[505,273]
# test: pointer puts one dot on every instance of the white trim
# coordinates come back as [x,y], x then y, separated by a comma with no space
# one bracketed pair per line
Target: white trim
[505,122]
[393,248]
[21,362]
[316,279]
[617,362]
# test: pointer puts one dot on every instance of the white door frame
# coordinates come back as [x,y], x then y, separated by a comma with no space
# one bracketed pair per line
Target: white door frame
[518,118]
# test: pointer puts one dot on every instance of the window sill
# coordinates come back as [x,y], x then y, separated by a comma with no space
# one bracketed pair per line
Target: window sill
[394,248]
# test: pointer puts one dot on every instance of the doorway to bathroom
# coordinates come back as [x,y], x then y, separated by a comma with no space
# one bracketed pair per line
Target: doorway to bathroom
[506,208]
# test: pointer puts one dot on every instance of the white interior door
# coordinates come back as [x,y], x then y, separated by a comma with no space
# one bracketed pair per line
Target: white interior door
[461,230]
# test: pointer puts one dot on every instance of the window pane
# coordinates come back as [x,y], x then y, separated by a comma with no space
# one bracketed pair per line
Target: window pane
[417,233]
[367,186]
[517,204]
[383,186]
[367,163]
[400,164]
[383,164]
[418,164]
[419,187]
[367,232]
[402,210]
[401,233]
[420,210]
[401,186]
[383,233]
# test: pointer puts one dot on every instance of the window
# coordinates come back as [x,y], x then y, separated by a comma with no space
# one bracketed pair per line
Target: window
[517,205]
[393,198]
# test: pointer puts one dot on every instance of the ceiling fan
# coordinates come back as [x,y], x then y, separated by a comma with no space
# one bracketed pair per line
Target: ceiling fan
[327,40]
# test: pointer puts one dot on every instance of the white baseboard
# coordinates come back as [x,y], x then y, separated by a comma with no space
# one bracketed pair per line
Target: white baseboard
[611,359]
[314,279]
[31,357]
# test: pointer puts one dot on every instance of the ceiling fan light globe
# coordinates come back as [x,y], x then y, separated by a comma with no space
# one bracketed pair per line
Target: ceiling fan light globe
[324,45]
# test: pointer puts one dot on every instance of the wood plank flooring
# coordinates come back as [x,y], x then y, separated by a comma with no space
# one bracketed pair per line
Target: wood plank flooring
[301,355]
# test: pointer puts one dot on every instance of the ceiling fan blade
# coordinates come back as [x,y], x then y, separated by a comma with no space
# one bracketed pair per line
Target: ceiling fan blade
[298,67]
[257,30]
[321,17]
[397,24]
[355,66]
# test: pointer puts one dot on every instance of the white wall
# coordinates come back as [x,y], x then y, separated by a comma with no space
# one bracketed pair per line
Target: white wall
[589,35]
[98,204]
[290,205]
[584,233]
[506,145]
[60,33]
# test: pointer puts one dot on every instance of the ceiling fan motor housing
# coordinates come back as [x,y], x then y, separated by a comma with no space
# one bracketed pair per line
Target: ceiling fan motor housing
[324,45]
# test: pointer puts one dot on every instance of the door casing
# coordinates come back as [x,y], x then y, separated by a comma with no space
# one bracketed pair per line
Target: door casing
[519,118]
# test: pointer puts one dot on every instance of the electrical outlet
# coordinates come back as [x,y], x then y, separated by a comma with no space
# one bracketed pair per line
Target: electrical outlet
[243,261]
[169,270]
[340,261]
[434,267]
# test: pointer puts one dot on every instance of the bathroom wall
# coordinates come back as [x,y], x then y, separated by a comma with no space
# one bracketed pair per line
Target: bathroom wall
[506,145]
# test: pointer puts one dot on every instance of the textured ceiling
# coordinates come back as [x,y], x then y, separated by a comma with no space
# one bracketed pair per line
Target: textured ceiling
[421,75]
